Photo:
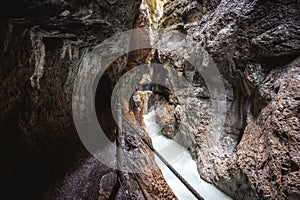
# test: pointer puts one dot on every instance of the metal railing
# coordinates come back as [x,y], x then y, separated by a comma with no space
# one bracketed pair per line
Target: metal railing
[186,184]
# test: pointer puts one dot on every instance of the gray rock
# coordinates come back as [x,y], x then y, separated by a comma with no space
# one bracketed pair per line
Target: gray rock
[251,42]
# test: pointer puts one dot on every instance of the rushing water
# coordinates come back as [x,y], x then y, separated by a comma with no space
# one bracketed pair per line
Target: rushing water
[180,158]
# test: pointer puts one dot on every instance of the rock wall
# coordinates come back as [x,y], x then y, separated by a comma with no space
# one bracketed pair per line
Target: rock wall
[268,153]
[42,46]
[255,46]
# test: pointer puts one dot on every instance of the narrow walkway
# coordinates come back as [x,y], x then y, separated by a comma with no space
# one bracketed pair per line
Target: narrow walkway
[181,160]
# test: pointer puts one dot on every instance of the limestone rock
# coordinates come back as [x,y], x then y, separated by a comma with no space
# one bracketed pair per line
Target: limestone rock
[255,45]
[165,117]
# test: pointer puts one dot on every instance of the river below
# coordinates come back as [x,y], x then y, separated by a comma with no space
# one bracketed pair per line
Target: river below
[180,158]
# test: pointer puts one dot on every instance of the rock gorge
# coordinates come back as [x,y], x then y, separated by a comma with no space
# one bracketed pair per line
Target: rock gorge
[254,44]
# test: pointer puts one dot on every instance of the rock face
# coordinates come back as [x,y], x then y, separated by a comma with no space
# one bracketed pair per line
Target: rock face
[42,46]
[165,115]
[143,162]
[255,46]
[268,153]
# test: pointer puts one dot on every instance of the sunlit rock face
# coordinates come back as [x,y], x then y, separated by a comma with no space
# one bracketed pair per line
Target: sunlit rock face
[155,10]
[43,44]
[255,46]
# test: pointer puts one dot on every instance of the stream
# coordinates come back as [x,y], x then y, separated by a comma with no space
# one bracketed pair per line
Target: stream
[180,158]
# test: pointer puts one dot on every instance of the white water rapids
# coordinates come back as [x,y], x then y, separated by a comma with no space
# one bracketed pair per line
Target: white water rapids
[180,158]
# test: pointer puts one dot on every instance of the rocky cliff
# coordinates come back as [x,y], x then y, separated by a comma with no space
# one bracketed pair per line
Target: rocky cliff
[42,47]
[255,46]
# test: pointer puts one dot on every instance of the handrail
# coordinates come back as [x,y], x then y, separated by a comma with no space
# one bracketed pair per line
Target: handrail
[119,154]
[187,185]
[136,179]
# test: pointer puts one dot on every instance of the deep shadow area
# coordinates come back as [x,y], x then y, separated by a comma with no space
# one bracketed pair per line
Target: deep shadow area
[29,165]
[103,106]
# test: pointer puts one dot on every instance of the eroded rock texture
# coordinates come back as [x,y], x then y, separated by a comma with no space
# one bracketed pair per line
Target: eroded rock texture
[255,46]
[268,153]
[43,44]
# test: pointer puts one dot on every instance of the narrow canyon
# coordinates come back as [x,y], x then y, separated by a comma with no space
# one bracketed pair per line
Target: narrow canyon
[150,99]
